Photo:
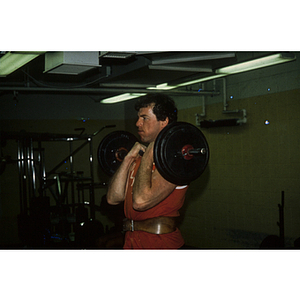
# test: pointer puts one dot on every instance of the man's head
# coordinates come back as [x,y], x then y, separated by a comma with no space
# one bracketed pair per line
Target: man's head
[164,106]
[155,111]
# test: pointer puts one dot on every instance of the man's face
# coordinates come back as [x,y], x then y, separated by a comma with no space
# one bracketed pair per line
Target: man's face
[148,126]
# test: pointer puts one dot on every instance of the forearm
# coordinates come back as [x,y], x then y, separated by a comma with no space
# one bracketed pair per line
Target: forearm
[142,184]
[149,187]
[117,186]
[142,188]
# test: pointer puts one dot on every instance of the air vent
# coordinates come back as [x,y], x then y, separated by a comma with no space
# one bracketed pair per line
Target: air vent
[70,63]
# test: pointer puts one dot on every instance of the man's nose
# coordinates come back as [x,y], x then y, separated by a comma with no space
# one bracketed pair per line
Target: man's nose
[138,123]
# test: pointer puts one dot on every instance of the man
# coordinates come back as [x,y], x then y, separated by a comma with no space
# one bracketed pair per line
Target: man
[151,202]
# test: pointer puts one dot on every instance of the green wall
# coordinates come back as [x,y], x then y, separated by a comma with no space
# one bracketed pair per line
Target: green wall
[234,204]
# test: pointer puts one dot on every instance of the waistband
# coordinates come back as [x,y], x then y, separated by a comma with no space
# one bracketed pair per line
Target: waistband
[157,225]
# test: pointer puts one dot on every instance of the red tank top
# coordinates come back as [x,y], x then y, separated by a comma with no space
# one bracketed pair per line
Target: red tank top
[168,207]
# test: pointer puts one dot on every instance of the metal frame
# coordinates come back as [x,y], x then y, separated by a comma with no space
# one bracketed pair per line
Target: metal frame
[34,181]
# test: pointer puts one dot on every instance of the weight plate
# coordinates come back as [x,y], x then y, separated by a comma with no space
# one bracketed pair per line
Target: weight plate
[113,148]
[169,147]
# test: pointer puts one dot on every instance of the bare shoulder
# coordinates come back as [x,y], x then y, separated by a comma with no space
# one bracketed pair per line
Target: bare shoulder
[159,182]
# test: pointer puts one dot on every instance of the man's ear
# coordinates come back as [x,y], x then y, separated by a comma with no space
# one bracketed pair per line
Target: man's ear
[165,122]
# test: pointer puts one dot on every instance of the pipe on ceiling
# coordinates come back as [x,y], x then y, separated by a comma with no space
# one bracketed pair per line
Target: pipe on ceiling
[102,90]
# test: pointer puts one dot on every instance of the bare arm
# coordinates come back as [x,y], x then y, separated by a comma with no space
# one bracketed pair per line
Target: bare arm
[150,188]
[118,185]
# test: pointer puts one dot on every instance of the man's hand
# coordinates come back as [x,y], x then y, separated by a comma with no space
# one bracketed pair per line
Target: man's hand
[118,184]
[134,152]
[148,153]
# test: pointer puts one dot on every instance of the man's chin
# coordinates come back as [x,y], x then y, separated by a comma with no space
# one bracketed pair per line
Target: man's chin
[143,140]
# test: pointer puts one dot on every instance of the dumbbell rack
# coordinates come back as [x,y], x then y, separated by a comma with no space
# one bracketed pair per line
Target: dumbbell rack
[38,220]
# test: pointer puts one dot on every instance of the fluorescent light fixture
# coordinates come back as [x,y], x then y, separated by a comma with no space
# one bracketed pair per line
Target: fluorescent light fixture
[162,86]
[191,58]
[180,68]
[10,62]
[257,63]
[122,97]
[165,86]
[200,80]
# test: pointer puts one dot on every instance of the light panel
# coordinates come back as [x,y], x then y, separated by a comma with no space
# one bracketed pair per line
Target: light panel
[122,97]
[10,62]
[165,86]
[162,86]
[180,68]
[192,58]
[257,63]
[200,80]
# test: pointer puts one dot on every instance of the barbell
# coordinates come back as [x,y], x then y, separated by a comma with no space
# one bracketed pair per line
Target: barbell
[180,152]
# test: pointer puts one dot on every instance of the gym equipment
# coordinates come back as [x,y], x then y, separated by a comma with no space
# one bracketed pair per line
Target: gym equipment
[181,152]
[42,220]
[113,148]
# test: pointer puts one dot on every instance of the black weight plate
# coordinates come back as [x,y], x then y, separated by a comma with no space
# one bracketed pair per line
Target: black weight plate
[109,147]
[168,157]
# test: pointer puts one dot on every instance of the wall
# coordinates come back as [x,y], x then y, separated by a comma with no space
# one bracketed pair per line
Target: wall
[57,107]
[234,204]
[250,165]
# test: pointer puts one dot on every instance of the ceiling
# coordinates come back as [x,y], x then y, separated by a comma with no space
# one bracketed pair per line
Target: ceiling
[113,73]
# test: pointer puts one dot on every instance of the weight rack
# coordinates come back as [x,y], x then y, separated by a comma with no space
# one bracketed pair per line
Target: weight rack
[39,223]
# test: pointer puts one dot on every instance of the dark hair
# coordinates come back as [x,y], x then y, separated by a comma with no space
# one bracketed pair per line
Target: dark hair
[164,106]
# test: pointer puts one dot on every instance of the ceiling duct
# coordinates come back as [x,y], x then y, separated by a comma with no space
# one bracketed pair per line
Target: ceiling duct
[116,58]
[71,63]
